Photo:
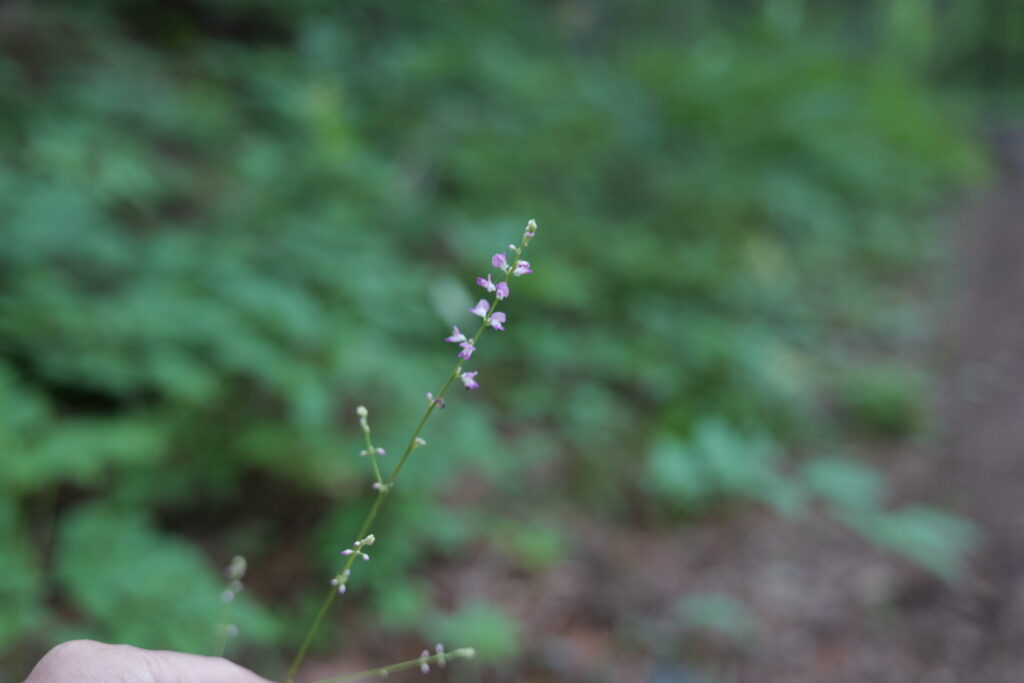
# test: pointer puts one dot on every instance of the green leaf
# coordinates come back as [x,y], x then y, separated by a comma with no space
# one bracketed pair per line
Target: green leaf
[935,540]
[139,586]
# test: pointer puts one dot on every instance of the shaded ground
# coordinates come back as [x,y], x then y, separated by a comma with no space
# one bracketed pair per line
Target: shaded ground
[829,607]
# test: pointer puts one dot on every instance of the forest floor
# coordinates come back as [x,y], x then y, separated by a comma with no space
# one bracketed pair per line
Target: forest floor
[828,606]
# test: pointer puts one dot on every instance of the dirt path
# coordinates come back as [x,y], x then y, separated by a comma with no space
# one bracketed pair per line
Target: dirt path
[897,624]
[983,458]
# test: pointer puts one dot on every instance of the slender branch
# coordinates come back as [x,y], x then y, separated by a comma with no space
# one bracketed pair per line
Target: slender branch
[440,659]
[384,488]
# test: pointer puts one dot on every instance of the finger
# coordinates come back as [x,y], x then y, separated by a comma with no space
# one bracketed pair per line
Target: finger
[87,661]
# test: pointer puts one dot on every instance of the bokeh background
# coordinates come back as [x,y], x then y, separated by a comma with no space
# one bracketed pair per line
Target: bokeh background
[727,435]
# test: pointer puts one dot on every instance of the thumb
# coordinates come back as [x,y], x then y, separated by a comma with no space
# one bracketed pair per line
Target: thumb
[86,661]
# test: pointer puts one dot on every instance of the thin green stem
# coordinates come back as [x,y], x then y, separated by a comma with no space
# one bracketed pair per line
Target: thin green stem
[441,658]
[221,642]
[309,635]
[342,576]
[385,487]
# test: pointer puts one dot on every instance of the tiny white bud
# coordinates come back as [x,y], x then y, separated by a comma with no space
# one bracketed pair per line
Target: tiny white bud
[227,596]
[236,570]
[362,412]
[346,573]
[419,441]
[341,589]
[362,453]
[381,452]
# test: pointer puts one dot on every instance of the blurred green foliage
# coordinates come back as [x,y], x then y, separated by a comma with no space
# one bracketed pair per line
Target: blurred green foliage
[226,223]
[717,615]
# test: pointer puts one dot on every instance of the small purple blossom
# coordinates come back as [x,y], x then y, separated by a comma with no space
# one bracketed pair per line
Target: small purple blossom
[497,320]
[467,349]
[457,336]
[469,380]
[522,268]
[502,292]
[499,261]
[481,308]
[486,283]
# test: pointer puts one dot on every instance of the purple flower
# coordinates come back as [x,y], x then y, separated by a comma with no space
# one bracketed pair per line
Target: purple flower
[468,380]
[499,261]
[486,284]
[467,349]
[497,320]
[456,336]
[502,288]
[522,268]
[481,308]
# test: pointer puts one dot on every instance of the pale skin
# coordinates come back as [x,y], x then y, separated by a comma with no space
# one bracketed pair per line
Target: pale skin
[87,661]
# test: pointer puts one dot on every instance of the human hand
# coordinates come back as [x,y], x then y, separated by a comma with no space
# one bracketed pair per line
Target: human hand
[86,661]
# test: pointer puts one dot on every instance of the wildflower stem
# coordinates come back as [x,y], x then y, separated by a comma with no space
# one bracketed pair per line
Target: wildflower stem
[222,630]
[301,654]
[461,653]
[383,490]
